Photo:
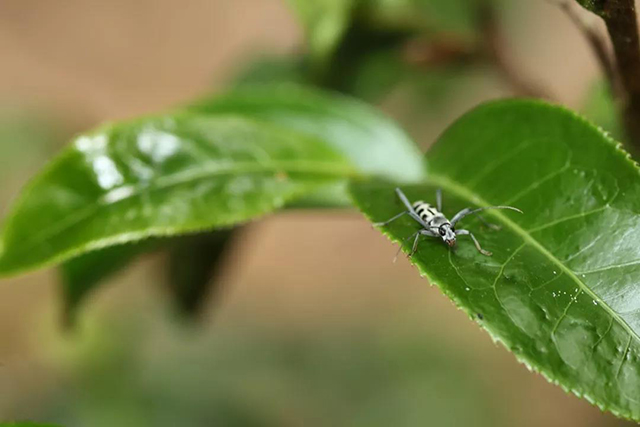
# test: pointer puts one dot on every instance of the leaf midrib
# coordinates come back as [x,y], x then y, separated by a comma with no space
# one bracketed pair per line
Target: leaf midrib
[320,168]
[460,190]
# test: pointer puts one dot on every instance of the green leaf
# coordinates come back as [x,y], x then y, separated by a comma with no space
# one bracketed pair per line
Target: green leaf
[162,176]
[364,136]
[194,263]
[325,22]
[370,141]
[272,70]
[595,6]
[561,290]
[221,163]
[81,275]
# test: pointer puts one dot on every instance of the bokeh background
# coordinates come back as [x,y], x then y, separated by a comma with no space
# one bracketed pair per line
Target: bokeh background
[313,325]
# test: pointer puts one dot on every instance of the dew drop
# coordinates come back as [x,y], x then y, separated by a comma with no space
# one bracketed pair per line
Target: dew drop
[555,272]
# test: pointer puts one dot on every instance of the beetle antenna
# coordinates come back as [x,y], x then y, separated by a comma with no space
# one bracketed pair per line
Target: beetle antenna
[467,212]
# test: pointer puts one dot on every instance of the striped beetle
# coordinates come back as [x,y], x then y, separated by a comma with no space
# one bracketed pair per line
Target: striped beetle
[435,224]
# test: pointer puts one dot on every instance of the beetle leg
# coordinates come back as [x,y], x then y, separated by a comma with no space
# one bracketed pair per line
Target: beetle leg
[382,224]
[475,241]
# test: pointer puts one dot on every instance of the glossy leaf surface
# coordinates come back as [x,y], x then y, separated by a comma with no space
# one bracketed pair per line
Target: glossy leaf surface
[562,289]
[369,140]
[161,176]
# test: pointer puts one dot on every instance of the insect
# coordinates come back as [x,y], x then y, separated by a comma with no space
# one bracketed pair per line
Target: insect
[435,224]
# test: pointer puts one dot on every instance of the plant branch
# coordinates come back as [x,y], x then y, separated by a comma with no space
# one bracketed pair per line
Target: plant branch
[620,18]
[621,21]
[597,42]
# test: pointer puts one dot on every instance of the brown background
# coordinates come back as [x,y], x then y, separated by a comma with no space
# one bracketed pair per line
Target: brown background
[87,61]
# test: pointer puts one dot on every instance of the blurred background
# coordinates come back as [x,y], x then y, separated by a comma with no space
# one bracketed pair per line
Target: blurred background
[311,323]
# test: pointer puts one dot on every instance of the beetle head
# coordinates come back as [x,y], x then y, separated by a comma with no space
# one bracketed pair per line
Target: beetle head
[447,234]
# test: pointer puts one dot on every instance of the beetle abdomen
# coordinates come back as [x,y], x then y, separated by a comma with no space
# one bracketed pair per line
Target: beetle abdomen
[425,211]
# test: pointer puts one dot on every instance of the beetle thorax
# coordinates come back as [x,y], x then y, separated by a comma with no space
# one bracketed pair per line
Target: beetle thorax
[429,214]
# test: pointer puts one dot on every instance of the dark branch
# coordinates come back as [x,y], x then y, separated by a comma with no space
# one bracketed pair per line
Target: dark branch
[620,18]
[622,25]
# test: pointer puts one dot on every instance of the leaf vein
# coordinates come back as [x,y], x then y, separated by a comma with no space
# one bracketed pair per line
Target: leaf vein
[494,165]
[177,179]
[539,182]
[610,267]
[603,336]
[624,356]
[457,188]
[547,283]
[573,299]
[567,218]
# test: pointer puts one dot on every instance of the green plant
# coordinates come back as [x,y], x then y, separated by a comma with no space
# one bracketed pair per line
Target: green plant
[560,289]
[25,425]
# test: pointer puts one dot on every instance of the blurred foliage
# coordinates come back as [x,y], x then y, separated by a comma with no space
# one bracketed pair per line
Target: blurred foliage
[259,376]
[599,107]
[272,70]
[81,275]
[327,23]
[193,266]
[193,262]
[25,424]
[456,18]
